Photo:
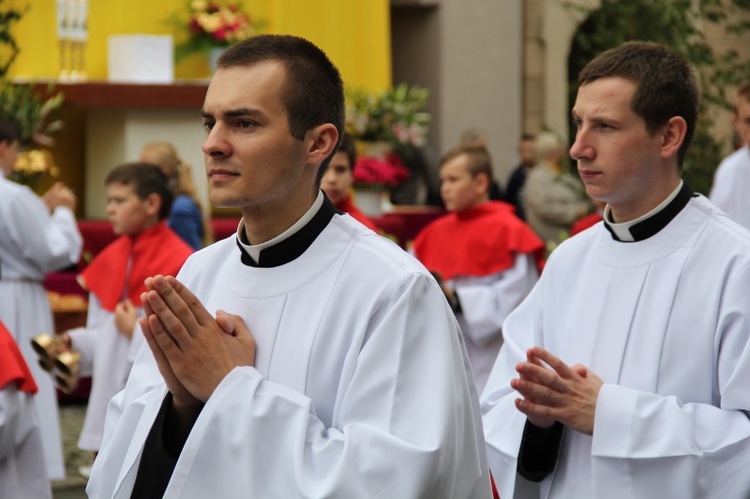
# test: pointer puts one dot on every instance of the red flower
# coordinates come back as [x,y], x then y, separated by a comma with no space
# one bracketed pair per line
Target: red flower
[220,34]
[369,170]
[194,27]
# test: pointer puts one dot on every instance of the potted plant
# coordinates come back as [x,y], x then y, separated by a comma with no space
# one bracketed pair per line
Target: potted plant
[395,116]
[31,113]
[388,126]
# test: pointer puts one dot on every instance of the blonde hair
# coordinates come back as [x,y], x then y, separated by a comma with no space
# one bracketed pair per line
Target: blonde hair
[180,173]
[546,144]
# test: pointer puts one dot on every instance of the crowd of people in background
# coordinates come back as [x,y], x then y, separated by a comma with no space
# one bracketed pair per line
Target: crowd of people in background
[580,330]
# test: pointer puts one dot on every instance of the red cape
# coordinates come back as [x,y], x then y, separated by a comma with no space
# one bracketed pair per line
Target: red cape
[12,365]
[348,206]
[157,250]
[584,223]
[476,242]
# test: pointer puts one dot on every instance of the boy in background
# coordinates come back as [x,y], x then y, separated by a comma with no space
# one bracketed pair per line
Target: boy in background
[485,258]
[337,181]
[138,202]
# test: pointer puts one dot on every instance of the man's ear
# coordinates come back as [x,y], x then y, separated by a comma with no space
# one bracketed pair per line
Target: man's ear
[323,139]
[673,135]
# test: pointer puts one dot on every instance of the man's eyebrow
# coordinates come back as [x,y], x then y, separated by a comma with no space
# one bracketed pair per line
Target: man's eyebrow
[234,113]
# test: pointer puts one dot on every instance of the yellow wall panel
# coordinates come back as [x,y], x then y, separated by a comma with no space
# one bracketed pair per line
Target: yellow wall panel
[355,34]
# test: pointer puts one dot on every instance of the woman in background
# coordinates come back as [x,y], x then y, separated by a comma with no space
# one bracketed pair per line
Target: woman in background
[186,217]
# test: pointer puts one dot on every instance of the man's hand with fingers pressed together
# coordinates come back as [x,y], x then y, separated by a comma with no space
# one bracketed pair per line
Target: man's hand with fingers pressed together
[553,391]
[194,350]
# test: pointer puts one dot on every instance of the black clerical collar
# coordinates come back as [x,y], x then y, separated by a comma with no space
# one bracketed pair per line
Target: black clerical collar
[652,222]
[293,246]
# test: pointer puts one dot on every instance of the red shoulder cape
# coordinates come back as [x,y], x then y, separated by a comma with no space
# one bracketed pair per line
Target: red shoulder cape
[348,206]
[584,223]
[12,365]
[477,242]
[157,250]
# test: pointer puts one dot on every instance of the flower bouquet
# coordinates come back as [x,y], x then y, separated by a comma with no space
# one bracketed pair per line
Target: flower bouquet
[377,174]
[395,115]
[212,25]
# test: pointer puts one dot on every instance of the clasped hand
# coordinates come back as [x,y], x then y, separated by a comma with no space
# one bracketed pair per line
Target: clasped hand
[553,391]
[194,351]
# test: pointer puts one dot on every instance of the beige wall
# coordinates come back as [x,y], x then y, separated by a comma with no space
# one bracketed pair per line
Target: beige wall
[114,136]
[469,53]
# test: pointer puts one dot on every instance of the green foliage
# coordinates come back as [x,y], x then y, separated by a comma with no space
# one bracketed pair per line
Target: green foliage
[675,23]
[396,115]
[20,104]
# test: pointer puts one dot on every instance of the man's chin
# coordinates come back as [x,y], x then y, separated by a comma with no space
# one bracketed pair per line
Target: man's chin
[224,203]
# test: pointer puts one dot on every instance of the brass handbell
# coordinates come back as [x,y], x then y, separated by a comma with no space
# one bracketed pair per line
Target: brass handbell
[67,371]
[67,363]
[66,384]
[53,355]
[46,347]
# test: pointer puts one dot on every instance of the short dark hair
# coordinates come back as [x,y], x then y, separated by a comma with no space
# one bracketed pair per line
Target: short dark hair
[146,179]
[478,157]
[666,86]
[313,93]
[8,132]
[743,93]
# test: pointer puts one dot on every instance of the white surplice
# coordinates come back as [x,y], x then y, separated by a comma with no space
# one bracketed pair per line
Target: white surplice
[665,323]
[361,386]
[731,187]
[23,472]
[107,356]
[32,243]
[485,303]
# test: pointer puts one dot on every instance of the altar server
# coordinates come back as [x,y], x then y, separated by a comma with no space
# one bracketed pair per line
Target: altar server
[139,200]
[624,374]
[486,258]
[359,385]
[37,235]
[338,178]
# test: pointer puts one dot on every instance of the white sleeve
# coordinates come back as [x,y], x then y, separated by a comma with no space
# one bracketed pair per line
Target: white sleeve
[503,423]
[49,242]
[700,447]
[15,423]
[722,190]
[83,339]
[137,341]
[486,302]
